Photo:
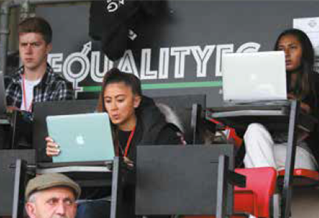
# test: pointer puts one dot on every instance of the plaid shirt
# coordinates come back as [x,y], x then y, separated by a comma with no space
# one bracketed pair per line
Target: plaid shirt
[51,88]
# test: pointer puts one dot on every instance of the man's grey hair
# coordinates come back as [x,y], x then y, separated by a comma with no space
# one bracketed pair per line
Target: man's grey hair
[32,197]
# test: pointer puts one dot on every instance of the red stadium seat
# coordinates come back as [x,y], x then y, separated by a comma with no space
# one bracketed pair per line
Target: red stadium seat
[302,177]
[256,197]
[245,202]
[262,181]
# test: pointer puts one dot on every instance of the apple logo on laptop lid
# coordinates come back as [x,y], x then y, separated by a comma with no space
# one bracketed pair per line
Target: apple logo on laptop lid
[79,140]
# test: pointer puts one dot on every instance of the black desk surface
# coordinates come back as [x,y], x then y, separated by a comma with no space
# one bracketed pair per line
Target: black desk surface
[86,176]
[274,116]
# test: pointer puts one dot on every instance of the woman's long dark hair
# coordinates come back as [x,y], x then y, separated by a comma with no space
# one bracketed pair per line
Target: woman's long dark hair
[304,85]
[116,76]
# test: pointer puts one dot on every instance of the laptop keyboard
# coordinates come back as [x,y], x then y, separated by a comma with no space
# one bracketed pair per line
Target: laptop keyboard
[258,103]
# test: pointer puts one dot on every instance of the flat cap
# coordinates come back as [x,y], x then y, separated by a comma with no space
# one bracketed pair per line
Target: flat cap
[51,180]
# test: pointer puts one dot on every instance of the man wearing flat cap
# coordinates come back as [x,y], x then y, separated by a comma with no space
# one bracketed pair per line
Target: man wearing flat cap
[52,195]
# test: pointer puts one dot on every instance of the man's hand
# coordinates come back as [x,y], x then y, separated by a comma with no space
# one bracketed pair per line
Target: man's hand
[10,109]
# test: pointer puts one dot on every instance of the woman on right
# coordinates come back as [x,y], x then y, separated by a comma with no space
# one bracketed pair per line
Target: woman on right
[264,149]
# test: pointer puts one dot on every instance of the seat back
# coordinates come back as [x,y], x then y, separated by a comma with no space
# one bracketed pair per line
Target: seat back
[245,202]
[7,173]
[262,181]
[180,179]
[255,198]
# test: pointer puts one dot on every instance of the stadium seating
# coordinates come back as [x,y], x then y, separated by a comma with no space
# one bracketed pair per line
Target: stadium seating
[302,177]
[256,197]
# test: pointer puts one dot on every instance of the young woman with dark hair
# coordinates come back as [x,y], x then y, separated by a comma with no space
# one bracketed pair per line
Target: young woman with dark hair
[301,77]
[263,149]
[132,116]
[135,120]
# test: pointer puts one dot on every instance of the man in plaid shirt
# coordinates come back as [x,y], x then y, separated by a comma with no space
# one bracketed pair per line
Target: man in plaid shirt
[35,81]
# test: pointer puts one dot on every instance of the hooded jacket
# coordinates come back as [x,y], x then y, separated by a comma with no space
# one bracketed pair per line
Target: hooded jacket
[151,129]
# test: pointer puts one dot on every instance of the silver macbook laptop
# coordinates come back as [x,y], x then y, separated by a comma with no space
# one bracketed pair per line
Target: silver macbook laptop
[254,77]
[83,138]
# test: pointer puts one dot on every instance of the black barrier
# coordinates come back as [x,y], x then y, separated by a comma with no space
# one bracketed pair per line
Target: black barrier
[7,170]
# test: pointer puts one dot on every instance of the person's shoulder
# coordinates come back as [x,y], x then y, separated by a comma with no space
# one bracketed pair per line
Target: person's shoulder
[13,77]
[56,82]
[148,111]
[146,102]
[54,78]
[171,135]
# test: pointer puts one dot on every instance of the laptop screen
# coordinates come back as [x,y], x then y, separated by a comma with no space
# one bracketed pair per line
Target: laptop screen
[249,77]
[82,137]
[50,108]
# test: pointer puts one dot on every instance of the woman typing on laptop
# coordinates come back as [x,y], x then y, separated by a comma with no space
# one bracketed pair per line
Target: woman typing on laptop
[135,121]
[263,149]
